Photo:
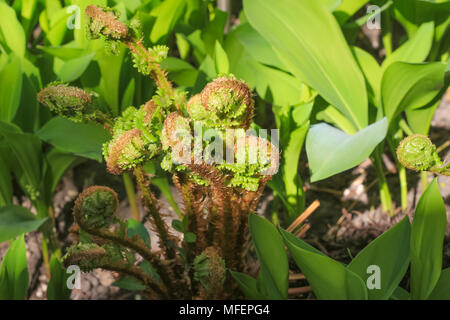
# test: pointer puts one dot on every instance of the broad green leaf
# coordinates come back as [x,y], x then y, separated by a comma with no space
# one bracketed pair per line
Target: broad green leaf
[14,272]
[15,220]
[427,238]
[414,50]
[63,52]
[442,289]
[10,87]
[331,151]
[57,26]
[214,31]
[57,286]
[389,252]
[257,46]
[419,120]
[110,68]
[221,59]
[57,164]
[180,71]
[182,45]
[128,95]
[167,15]
[28,14]
[12,35]
[371,70]
[27,114]
[271,254]
[248,285]
[347,9]
[332,4]
[27,151]
[400,294]
[419,11]
[6,188]
[302,33]
[329,279]
[82,139]
[74,68]
[277,86]
[406,85]
[333,116]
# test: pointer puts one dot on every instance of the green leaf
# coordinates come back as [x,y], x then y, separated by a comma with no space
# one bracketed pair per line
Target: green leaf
[14,272]
[148,268]
[331,151]
[419,120]
[414,50]
[6,188]
[347,9]
[371,70]
[411,86]
[10,87]
[221,59]
[178,225]
[12,35]
[57,286]
[16,220]
[74,68]
[427,238]
[271,254]
[129,283]
[128,95]
[135,228]
[248,285]
[82,139]
[302,33]
[390,252]
[167,15]
[400,294]
[65,53]
[329,279]
[27,151]
[110,68]
[57,164]
[257,46]
[190,237]
[442,289]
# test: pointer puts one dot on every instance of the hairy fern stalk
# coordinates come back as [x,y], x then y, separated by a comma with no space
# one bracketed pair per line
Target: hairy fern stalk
[217,195]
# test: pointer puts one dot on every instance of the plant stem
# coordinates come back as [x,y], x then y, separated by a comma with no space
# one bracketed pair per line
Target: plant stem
[150,203]
[401,173]
[45,256]
[385,195]
[403,186]
[424,179]
[131,195]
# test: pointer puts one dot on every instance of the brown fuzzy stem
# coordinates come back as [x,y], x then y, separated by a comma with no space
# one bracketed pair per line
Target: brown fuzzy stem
[156,72]
[121,267]
[155,217]
[224,233]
